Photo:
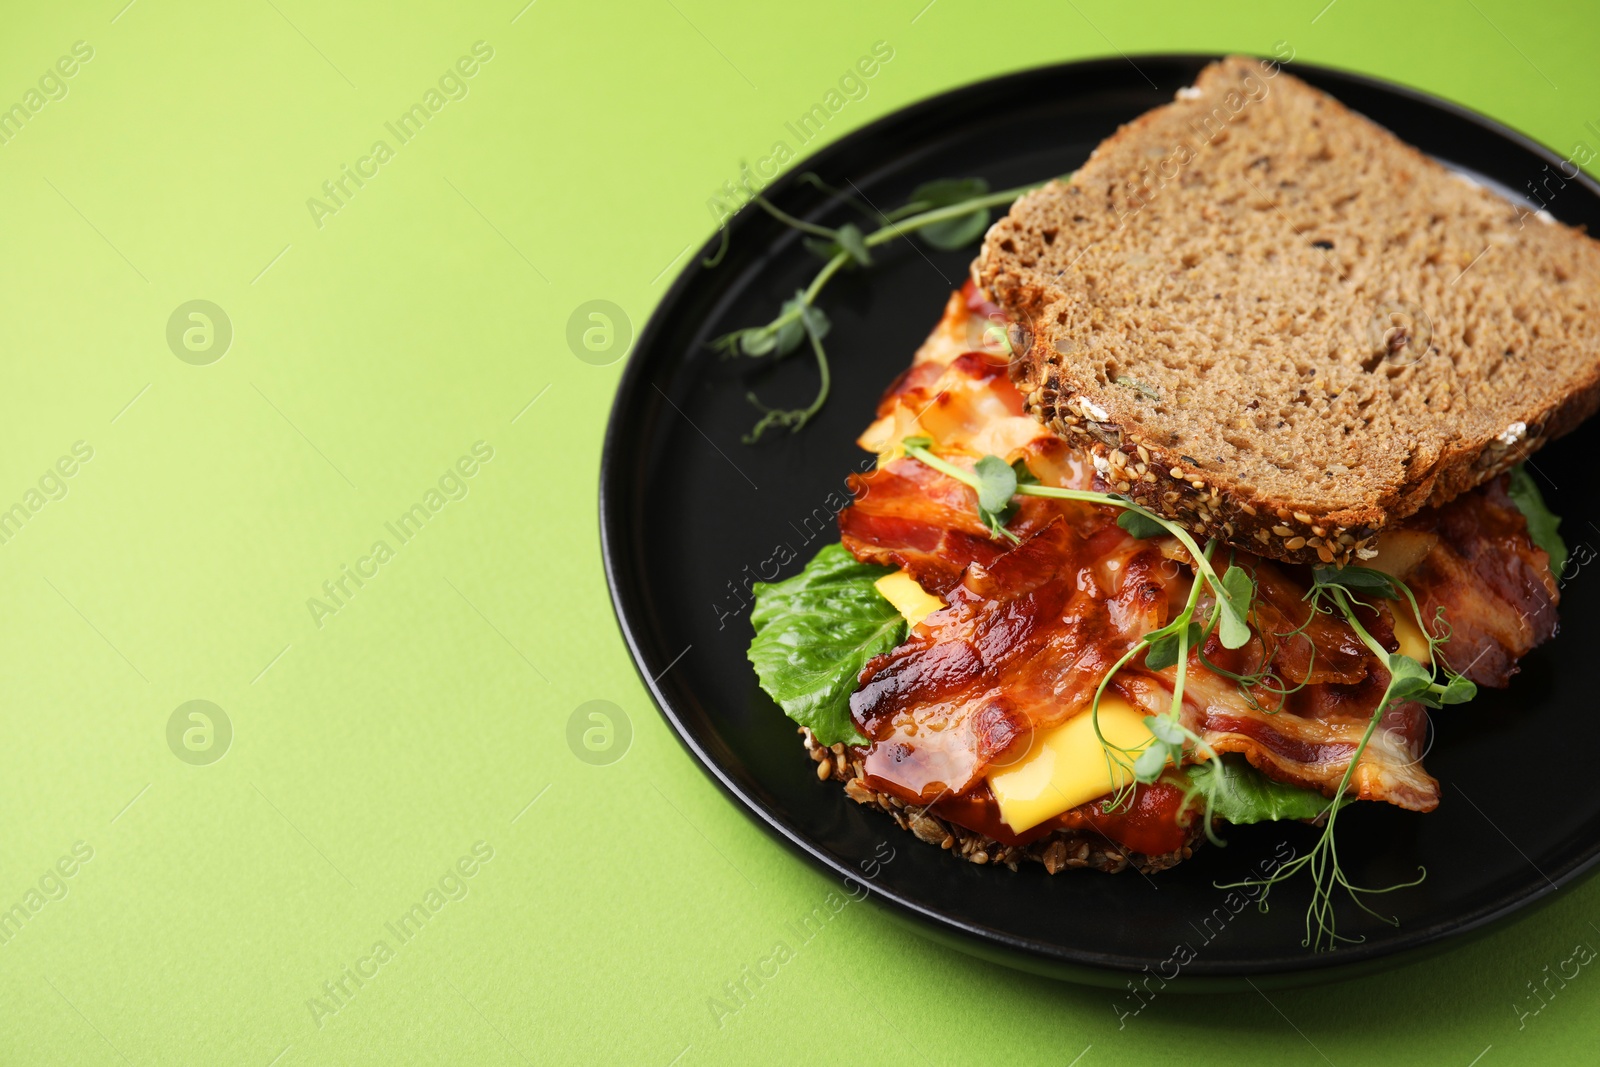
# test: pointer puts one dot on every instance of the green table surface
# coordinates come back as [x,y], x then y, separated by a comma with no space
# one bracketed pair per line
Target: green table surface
[397,744]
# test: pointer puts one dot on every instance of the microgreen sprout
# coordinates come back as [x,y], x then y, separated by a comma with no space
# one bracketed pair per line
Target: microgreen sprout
[947,214]
[1339,590]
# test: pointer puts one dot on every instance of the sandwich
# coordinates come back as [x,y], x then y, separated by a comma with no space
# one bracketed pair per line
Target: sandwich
[1204,493]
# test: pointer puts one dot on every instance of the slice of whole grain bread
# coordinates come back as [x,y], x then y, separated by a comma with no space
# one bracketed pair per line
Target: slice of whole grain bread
[1271,319]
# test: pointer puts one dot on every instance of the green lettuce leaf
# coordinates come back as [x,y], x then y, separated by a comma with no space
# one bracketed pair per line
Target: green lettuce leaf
[1542,522]
[1241,794]
[814,633]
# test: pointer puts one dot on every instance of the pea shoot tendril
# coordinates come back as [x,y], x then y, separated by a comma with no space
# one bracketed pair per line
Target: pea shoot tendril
[947,214]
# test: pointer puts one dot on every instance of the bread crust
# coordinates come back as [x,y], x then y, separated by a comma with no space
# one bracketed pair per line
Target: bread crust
[1058,850]
[1049,288]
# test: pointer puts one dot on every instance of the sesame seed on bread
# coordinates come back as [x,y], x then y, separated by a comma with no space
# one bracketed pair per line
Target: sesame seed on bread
[1274,321]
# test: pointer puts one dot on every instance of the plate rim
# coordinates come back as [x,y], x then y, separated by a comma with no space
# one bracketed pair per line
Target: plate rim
[974,939]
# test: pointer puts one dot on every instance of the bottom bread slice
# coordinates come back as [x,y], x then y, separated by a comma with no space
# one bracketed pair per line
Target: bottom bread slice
[1058,850]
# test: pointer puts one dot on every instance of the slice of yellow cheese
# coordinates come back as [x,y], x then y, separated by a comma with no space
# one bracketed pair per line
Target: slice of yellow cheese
[1067,765]
[1412,641]
[908,598]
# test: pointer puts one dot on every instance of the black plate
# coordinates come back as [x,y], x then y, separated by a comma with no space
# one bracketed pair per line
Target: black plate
[687,513]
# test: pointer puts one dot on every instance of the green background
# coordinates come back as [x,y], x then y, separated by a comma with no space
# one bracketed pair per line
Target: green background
[371,752]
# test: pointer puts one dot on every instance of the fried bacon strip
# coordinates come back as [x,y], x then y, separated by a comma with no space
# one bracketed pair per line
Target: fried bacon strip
[1030,630]
[1493,584]
[1027,637]
[1020,648]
